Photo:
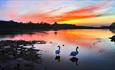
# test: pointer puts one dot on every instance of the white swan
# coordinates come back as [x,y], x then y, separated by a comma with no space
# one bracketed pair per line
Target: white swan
[74,53]
[57,52]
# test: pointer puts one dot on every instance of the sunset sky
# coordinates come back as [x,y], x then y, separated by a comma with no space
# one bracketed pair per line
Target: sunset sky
[79,12]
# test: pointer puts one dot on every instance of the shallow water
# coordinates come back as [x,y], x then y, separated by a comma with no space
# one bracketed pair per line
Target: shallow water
[96,51]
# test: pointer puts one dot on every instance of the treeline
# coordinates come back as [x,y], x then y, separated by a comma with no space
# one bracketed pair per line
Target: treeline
[11,25]
[16,26]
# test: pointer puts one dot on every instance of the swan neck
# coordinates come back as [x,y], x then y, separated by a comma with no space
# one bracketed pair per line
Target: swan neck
[76,49]
[59,48]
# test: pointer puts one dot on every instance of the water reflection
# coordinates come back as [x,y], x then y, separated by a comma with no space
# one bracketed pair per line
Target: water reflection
[55,32]
[95,50]
[57,58]
[74,60]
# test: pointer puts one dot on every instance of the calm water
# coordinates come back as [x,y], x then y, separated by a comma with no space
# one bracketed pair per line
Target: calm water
[96,51]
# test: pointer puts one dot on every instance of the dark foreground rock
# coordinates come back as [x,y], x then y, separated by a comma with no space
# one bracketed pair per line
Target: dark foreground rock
[14,56]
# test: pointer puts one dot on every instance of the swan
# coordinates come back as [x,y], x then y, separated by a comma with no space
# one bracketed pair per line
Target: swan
[57,52]
[74,53]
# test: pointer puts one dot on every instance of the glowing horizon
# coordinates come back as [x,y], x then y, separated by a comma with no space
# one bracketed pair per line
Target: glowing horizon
[88,12]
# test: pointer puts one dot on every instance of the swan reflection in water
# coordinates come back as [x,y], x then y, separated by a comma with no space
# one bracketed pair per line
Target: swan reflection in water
[57,58]
[74,59]
[57,52]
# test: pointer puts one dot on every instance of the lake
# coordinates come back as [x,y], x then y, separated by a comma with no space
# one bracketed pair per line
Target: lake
[96,51]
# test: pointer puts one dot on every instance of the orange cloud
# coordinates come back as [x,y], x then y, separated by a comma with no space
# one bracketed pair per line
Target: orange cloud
[36,18]
[86,12]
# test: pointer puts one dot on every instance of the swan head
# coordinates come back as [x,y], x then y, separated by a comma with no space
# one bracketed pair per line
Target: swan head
[58,46]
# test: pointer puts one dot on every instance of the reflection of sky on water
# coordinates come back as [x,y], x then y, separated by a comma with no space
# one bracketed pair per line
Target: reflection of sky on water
[96,51]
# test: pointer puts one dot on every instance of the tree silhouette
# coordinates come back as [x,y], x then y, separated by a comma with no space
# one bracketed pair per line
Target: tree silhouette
[9,27]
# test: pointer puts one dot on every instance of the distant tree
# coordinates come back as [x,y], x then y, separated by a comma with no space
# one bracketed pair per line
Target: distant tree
[112,27]
[11,21]
[55,23]
[45,23]
[41,22]
[30,22]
